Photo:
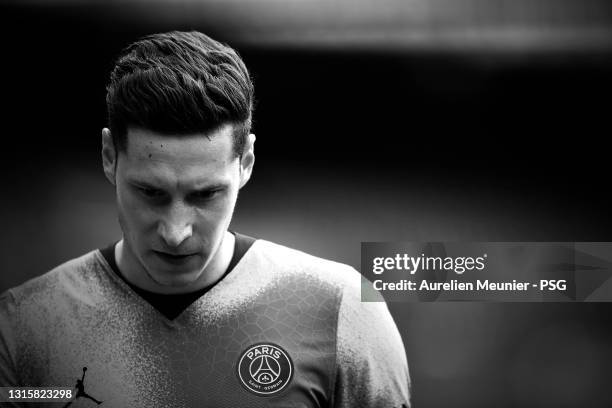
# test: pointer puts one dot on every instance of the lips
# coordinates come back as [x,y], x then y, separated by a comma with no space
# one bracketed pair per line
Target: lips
[175,259]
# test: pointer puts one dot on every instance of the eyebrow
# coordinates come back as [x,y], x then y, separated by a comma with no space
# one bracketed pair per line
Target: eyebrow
[145,184]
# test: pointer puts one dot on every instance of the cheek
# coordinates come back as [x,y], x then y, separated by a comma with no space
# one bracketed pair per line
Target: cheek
[215,218]
[228,204]
[133,216]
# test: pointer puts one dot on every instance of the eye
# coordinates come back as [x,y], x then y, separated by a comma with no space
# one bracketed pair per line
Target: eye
[205,195]
[150,192]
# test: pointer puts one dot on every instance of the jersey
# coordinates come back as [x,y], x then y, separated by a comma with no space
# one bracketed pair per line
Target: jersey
[281,329]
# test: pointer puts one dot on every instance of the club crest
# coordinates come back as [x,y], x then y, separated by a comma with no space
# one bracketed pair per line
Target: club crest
[265,369]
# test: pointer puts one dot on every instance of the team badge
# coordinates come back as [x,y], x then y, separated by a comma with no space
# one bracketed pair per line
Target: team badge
[265,369]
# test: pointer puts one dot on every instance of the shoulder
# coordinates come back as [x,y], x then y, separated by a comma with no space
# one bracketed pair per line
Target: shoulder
[32,312]
[282,260]
[33,308]
[283,264]
[71,277]
[358,321]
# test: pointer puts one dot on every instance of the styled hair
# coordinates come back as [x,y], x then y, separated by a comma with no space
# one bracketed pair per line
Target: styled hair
[179,83]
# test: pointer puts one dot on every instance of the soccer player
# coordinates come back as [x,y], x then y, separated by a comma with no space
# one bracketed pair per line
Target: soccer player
[183,312]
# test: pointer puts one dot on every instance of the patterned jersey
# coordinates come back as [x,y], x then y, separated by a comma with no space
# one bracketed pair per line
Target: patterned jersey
[282,329]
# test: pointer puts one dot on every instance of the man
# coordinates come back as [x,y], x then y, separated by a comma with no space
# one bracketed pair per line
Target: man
[181,312]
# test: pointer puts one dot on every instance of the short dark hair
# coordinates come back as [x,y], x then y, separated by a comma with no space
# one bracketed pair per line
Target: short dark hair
[179,83]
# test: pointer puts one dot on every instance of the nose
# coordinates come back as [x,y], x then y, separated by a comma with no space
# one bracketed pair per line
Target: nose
[176,226]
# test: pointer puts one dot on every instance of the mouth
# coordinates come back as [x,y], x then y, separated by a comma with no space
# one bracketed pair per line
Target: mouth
[174,259]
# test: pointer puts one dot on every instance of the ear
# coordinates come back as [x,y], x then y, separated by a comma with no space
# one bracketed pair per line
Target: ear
[248,160]
[109,155]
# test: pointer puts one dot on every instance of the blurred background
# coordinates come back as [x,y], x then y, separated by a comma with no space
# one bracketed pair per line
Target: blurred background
[388,120]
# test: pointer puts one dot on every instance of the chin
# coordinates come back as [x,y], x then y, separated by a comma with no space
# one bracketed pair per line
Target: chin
[175,278]
[175,275]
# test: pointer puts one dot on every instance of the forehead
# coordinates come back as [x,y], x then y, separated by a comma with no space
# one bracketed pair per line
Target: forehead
[184,159]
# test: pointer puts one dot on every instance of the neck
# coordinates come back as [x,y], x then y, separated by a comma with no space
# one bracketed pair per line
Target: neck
[134,272]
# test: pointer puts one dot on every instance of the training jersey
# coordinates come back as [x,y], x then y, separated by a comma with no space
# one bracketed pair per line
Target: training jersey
[281,329]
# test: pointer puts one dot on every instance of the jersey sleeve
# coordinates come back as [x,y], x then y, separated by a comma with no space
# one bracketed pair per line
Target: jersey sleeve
[8,374]
[371,363]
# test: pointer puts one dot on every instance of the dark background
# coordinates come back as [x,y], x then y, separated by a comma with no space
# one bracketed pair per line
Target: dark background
[471,121]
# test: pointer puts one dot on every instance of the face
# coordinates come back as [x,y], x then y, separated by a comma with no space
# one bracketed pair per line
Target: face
[175,198]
